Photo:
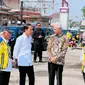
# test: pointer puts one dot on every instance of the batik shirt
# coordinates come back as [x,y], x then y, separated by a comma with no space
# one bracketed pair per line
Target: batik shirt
[57,47]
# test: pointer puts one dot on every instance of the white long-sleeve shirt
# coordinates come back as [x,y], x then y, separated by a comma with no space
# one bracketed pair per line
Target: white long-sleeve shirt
[82,57]
[22,50]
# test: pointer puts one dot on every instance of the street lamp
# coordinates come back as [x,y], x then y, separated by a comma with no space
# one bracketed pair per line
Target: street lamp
[21,12]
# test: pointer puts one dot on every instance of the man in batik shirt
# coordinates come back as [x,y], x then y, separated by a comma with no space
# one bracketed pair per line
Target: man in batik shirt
[57,48]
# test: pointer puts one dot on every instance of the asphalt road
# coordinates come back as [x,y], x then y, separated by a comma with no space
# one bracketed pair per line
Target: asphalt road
[71,75]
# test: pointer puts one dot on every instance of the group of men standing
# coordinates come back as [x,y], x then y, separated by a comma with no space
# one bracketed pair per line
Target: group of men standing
[57,47]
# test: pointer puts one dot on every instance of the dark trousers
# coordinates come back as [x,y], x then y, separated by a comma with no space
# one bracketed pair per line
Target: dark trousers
[55,70]
[23,70]
[37,52]
[4,78]
[84,77]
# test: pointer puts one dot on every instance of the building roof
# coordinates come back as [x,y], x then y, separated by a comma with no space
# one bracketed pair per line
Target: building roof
[29,13]
[4,8]
[4,12]
[55,15]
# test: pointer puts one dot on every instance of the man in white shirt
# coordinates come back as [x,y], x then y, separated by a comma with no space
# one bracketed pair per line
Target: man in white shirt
[5,73]
[22,55]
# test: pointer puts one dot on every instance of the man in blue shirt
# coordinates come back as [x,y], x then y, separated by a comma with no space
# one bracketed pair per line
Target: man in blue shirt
[23,57]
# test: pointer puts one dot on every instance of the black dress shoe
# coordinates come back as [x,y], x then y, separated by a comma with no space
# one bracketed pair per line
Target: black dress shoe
[41,61]
[35,61]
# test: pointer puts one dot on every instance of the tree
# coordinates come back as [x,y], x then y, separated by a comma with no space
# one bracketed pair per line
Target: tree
[83,10]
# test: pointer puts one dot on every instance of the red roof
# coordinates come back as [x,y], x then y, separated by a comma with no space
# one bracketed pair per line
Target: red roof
[29,13]
[54,15]
[3,12]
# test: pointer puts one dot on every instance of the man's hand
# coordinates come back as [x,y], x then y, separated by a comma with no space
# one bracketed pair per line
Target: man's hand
[52,59]
[40,36]
[15,64]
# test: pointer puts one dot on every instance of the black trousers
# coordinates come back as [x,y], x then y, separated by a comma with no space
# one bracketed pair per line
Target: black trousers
[84,76]
[37,52]
[55,70]
[23,70]
[4,78]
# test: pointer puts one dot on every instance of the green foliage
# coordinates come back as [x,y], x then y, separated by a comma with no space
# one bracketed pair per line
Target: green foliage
[83,10]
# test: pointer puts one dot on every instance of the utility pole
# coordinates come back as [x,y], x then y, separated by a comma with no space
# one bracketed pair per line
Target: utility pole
[22,12]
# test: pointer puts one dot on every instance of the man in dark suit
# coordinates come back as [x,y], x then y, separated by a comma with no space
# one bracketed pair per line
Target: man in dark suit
[38,37]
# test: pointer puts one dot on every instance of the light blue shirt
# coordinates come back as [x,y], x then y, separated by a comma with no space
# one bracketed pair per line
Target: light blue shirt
[22,50]
[9,67]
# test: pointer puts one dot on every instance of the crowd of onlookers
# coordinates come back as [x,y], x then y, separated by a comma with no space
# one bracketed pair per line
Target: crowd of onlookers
[76,40]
